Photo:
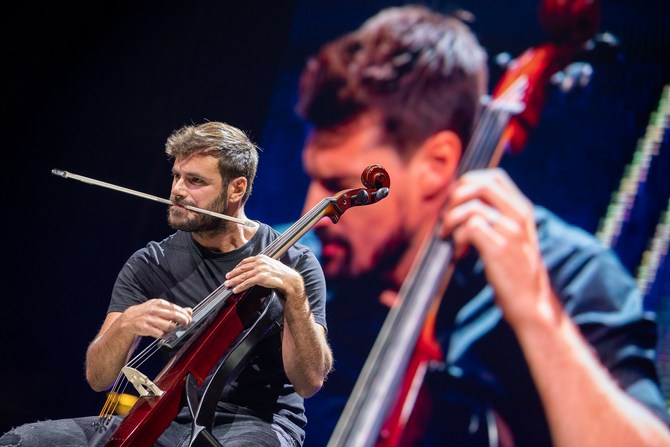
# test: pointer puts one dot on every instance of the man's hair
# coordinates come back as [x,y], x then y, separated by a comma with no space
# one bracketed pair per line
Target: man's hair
[237,154]
[421,71]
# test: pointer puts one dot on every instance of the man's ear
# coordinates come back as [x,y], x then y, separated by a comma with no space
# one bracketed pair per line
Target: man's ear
[236,189]
[438,161]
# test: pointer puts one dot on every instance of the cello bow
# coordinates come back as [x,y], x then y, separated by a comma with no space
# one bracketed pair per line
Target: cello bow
[218,333]
[384,397]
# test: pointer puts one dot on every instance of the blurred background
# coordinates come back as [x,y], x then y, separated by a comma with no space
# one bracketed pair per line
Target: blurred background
[97,91]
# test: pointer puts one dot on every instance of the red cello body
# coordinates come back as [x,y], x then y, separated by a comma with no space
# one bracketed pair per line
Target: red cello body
[150,416]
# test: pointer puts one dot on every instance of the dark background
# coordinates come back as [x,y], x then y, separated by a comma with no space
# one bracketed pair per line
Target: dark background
[97,91]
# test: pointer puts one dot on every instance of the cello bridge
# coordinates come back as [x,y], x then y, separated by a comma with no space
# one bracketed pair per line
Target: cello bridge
[144,386]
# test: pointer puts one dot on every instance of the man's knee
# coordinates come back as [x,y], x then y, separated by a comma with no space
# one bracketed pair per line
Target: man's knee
[10,439]
[65,432]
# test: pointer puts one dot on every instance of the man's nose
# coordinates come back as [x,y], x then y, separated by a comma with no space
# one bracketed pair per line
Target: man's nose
[178,189]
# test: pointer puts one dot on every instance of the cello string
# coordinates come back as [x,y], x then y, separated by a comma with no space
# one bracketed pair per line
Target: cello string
[109,407]
[121,382]
[490,123]
[481,138]
[497,112]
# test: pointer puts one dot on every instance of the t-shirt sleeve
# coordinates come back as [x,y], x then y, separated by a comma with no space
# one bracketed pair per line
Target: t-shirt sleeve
[604,301]
[128,289]
[617,326]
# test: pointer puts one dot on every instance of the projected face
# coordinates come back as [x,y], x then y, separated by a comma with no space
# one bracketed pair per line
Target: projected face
[368,238]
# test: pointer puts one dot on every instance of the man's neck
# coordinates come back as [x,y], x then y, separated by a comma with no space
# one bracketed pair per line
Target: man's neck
[232,237]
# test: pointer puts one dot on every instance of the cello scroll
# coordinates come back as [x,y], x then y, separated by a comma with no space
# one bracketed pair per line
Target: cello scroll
[377,183]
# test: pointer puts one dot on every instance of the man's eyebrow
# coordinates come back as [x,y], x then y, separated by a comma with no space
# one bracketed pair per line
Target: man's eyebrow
[185,172]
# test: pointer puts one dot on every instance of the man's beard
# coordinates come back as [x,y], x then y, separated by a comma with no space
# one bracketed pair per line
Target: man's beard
[383,264]
[179,219]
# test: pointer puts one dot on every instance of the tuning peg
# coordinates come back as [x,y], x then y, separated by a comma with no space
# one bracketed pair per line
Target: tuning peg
[606,39]
[502,60]
[575,75]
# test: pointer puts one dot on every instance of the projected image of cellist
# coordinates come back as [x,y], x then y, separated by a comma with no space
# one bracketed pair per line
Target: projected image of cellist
[536,336]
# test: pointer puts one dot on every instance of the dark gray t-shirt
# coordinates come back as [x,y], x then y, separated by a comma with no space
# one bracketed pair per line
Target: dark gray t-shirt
[179,270]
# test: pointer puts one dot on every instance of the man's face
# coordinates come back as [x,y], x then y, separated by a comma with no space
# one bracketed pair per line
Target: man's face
[196,181]
[367,238]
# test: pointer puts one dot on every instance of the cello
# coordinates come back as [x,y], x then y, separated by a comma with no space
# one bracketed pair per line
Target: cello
[384,396]
[220,339]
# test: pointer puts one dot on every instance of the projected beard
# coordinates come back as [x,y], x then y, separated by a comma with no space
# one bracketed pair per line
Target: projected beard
[185,220]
